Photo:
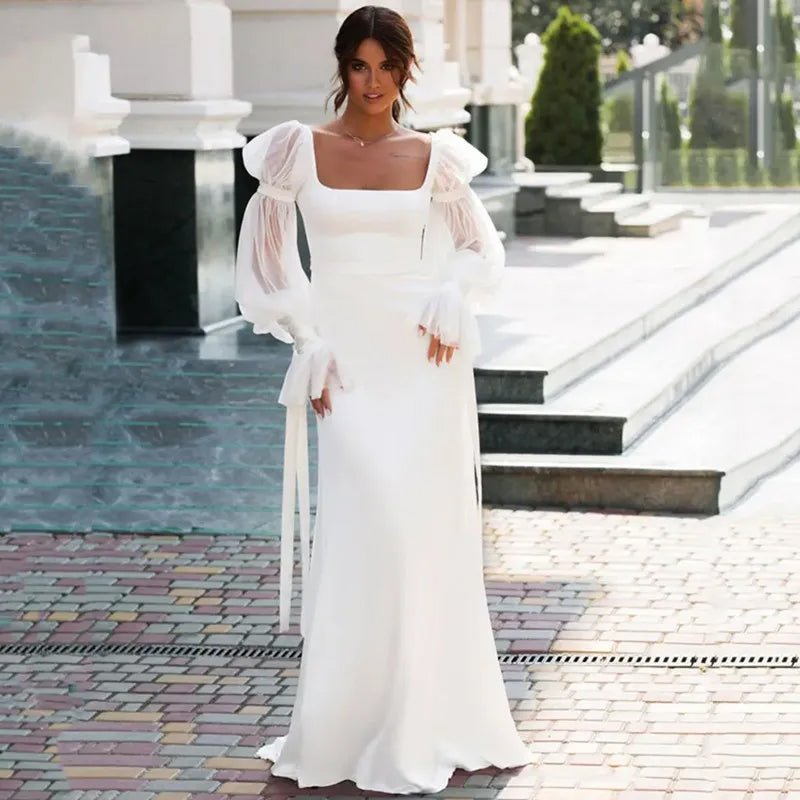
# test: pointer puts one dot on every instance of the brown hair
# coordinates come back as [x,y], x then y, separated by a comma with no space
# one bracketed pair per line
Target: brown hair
[391,31]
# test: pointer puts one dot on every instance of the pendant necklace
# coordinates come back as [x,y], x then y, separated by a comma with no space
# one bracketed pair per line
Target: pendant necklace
[362,142]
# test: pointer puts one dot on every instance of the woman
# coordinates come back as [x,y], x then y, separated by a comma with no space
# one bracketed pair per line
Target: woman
[399,682]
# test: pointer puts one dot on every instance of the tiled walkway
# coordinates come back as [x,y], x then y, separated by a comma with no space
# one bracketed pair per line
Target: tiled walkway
[136,726]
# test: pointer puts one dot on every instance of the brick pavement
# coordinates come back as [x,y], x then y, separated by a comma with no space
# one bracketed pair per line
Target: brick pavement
[164,727]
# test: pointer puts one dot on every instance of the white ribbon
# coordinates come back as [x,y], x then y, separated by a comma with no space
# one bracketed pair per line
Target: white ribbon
[309,371]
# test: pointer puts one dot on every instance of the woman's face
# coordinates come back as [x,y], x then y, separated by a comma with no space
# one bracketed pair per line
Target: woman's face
[373,79]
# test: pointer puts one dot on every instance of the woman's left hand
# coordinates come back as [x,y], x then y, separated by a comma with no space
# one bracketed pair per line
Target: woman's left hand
[436,349]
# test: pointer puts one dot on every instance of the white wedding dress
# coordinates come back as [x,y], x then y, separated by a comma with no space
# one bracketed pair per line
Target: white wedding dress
[399,682]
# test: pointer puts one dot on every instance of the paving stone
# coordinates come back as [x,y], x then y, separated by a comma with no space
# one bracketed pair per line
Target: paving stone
[575,577]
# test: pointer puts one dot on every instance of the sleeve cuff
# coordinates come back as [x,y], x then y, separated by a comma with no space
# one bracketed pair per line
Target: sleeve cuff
[446,314]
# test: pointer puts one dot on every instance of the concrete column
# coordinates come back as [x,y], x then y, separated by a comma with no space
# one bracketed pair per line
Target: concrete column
[497,92]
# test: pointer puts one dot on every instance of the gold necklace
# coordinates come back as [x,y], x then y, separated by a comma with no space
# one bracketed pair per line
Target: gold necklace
[363,142]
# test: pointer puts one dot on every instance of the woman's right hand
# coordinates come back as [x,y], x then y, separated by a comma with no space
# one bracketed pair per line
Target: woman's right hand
[436,349]
[321,403]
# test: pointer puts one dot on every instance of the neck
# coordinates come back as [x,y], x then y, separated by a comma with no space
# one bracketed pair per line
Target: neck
[368,126]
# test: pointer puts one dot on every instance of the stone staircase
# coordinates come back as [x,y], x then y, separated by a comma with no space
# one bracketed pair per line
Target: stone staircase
[570,204]
[158,434]
[680,403]
[599,388]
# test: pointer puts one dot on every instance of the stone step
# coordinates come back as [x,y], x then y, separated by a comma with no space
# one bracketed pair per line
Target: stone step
[602,218]
[614,405]
[517,480]
[531,197]
[586,195]
[565,206]
[740,425]
[744,419]
[550,327]
[652,221]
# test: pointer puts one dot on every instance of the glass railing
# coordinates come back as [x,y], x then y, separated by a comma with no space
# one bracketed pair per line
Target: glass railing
[706,116]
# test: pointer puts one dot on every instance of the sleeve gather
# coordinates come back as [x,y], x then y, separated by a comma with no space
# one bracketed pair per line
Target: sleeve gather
[458,163]
[273,157]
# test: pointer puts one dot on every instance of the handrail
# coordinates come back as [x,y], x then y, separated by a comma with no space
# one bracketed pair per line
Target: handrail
[676,57]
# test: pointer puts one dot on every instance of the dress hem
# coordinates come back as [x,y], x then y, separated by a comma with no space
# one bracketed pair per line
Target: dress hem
[406,789]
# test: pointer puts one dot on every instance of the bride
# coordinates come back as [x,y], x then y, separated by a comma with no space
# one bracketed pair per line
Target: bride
[399,682]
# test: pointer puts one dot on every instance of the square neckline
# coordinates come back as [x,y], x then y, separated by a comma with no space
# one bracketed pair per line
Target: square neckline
[315,174]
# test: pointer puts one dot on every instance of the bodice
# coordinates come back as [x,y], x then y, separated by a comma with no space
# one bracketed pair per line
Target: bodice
[375,230]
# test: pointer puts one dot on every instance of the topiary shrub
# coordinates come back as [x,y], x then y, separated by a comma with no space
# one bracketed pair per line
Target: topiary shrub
[563,125]
[715,58]
[785,35]
[754,175]
[781,170]
[672,141]
[697,167]
[620,113]
[670,117]
[727,169]
[718,118]
[623,62]
[741,54]
[786,122]
[672,168]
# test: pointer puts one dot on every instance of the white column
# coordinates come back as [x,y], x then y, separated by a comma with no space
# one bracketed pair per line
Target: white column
[530,60]
[648,51]
[489,53]
[171,58]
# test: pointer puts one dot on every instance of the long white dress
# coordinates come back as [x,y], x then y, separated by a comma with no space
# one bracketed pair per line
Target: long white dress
[399,682]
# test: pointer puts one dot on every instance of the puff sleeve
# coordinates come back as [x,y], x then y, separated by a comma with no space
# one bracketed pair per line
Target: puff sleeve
[271,288]
[274,293]
[471,265]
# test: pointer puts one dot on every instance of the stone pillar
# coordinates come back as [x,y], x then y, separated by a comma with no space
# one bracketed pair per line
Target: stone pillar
[648,51]
[530,60]
[496,94]
[173,195]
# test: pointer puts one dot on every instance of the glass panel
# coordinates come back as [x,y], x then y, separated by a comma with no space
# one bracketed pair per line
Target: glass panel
[617,117]
[724,119]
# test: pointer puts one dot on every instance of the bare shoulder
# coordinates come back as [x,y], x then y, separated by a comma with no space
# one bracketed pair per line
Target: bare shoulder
[412,144]
[418,139]
[325,128]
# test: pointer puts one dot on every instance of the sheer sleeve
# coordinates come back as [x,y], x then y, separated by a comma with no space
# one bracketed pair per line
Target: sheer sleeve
[470,266]
[274,293]
[271,288]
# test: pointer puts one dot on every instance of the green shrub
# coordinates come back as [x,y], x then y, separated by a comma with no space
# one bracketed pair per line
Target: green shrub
[727,171]
[784,108]
[698,168]
[563,125]
[784,22]
[620,113]
[754,175]
[672,167]
[718,118]
[741,53]
[715,58]
[623,62]
[670,117]
[781,170]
